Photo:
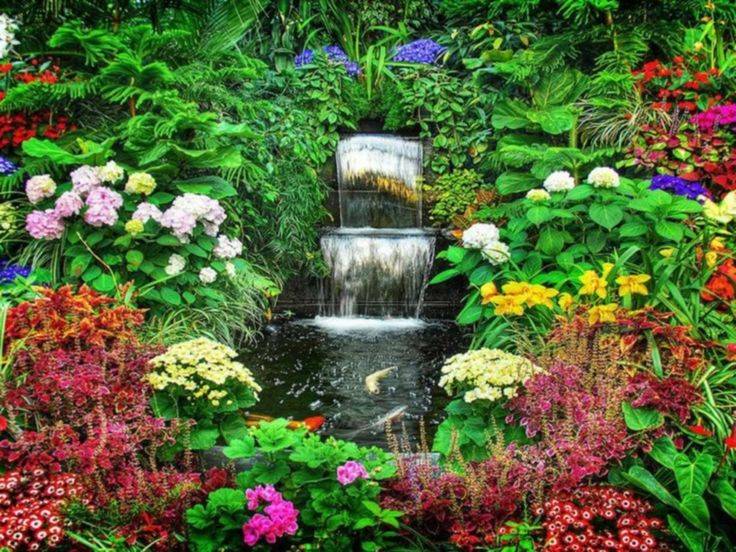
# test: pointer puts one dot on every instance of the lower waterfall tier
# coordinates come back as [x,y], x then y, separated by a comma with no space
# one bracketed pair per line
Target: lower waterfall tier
[376,272]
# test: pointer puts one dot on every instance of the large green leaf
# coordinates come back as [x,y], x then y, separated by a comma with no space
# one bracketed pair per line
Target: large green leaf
[212,186]
[726,494]
[553,120]
[640,419]
[511,114]
[643,478]
[693,539]
[607,215]
[693,476]
[695,510]
[515,182]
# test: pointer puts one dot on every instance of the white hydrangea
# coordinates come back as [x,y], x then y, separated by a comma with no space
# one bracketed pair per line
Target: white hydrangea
[110,172]
[604,177]
[85,179]
[8,26]
[176,265]
[480,235]
[207,275]
[496,253]
[559,181]
[230,269]
[538,194]
[227,248]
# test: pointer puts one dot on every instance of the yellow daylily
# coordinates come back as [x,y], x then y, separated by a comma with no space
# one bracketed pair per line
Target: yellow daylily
[565,301]
[516,288]
[629,285]
[540,295]
[602,313]
[723,212]
[487,291]
[717,244]
[593,284]
[508,304]
[711,258]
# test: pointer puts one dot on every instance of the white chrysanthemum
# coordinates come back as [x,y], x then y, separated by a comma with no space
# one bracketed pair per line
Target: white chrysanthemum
[176,265]
[559,181]
[207,275]
[480,235]
[110,172]
[496,253]
[604,177]
[538,194]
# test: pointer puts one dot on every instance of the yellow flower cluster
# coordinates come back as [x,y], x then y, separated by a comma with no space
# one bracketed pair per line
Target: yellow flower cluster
[516,296]
[595,284]
[140,183]
[201,367]
[489,374]
[134,227]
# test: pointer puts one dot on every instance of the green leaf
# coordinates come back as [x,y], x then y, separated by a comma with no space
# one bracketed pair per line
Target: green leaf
[511,114]
[664,452]
[606,214]
[232,426]
[633,229]
[550,241]
[640,419]
[515,182]
[539,214]
[240,448]
[578,193]
[170,296]
[695,510]
[726,494]
[669,230]
[79,264]
[229,500]
[104,283]
[470,314]
[168,240]
[694,540]
[203,437]
[134,257]
[693,477]
[164,405]
[212,186]
[553,120]
[643,479]
[444,276]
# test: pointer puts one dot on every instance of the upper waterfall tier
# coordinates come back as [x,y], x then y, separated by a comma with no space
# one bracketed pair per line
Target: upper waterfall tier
[379,181]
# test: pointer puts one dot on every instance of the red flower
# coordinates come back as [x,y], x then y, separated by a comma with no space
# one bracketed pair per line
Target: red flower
[5,68]
[730,441]
[700,430]
[731,351]
[3,423]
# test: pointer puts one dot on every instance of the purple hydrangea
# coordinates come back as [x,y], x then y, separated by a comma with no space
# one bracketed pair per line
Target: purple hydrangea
[424,50]
[10,271]
[335,54]
[7,167]
[678,186]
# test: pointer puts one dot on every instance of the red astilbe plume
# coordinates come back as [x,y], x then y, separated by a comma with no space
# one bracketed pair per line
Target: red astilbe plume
[595,518]
[63,319]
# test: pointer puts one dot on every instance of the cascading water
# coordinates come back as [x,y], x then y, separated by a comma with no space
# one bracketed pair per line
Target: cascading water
[379,258]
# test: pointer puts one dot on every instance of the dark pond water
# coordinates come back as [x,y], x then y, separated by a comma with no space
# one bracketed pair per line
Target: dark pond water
[318,367]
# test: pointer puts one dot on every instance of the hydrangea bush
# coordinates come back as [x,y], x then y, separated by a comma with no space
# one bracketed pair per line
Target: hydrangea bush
[117,229]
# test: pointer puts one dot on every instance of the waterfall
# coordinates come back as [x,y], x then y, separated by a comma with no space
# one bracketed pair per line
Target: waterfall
[379,259]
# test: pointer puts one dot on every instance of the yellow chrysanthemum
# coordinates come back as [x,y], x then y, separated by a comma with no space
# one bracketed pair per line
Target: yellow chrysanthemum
[602,313]
[633,284]
[487,291]
[508,304]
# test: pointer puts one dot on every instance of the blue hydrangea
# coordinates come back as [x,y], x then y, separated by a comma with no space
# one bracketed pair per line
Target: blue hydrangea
[678,186]
[10,271]
[424,50]
[334,53]
[7,167]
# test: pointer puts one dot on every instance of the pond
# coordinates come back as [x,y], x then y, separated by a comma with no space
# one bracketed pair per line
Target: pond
[318,367]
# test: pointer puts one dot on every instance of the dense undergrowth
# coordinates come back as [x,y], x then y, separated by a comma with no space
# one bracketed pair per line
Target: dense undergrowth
[162,175]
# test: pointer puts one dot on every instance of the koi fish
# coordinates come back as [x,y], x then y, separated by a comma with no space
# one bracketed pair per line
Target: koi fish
[390,416]
[311,423]
[372,380]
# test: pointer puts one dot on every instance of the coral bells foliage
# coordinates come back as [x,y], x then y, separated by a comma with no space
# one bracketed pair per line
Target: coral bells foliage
[30,507]
[63,319]
[593,518]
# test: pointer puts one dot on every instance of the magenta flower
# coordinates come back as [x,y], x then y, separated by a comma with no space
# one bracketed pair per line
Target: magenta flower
[85,179]
[102,206]
[68,204]
[279,517]
[44,225]
[350,471]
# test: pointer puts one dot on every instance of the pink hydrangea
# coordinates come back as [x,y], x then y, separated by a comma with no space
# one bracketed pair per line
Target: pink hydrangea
[102,206]
[68,204]
[180,221]
[146,211]
[279,517]
[350,471]
[85,179]
[44,225]
[39,188]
